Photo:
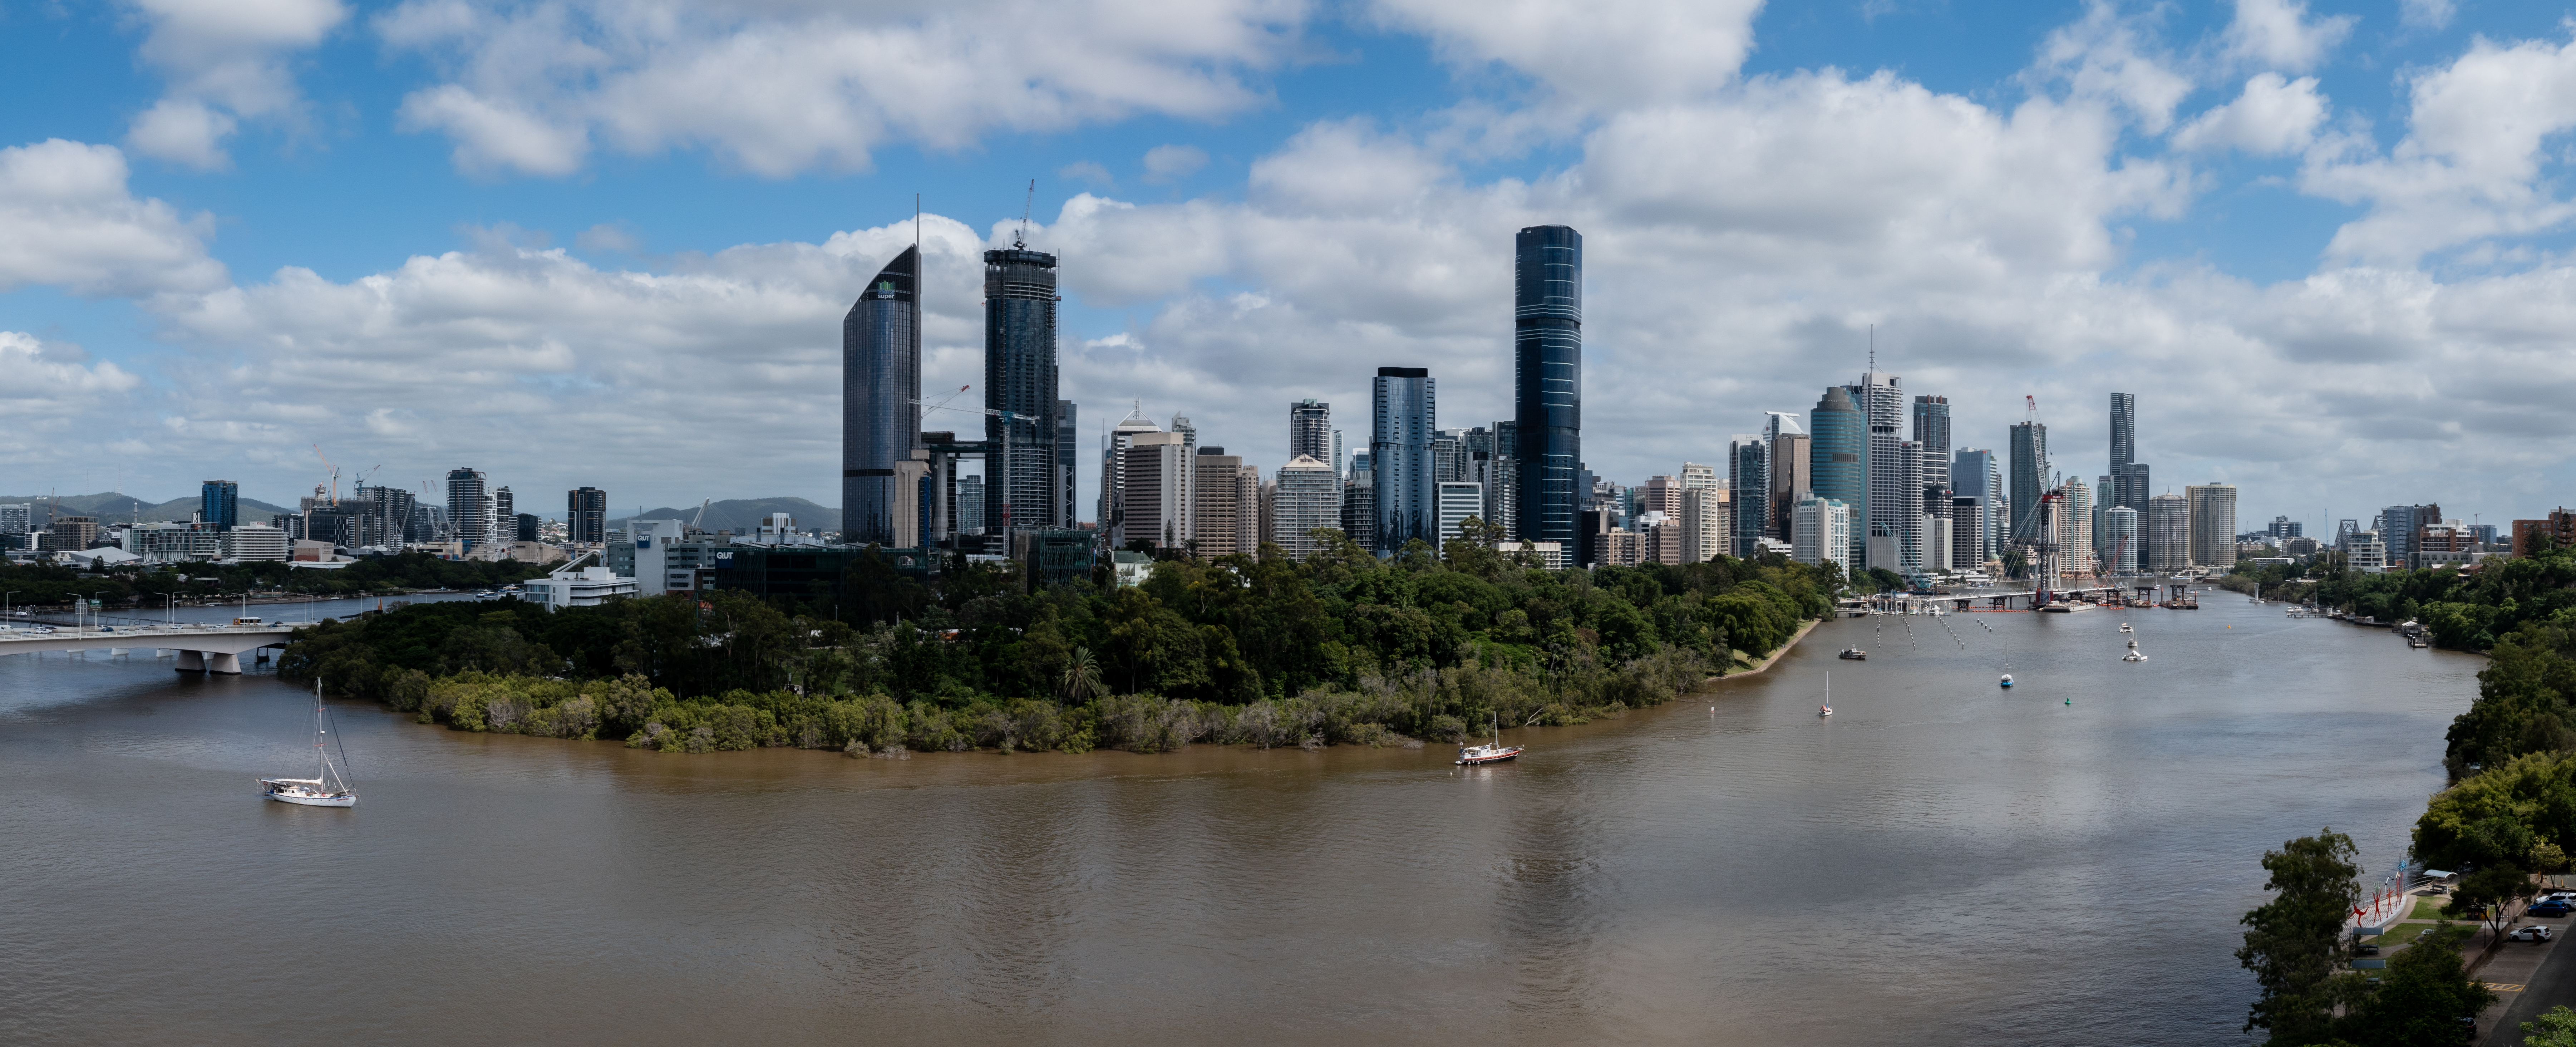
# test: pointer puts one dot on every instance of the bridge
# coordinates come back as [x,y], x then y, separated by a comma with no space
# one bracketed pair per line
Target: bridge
[202,648]
[2007,599]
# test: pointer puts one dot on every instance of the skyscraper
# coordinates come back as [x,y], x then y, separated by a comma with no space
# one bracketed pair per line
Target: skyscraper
[1359,503]
[1839,460]
[1406,412]
[2168,533]
[469,507]
[1547,382]
[2028,479]
[1894,491]
[1307,500]
[505,517]
[1068,455]
[1932,430]
[1786,460]
[586,515]
[2128,475]
[1748,478]
[220,504]
[1310,430]
[2213,524]
[880,403]
[1020,383]
[1113,476]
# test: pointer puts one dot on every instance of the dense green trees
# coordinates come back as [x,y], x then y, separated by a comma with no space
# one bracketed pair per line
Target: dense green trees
[40,585]
[2296,948]
[2466,610]
[1343,647]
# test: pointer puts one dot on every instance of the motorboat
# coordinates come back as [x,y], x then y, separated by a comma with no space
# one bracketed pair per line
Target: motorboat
[328,787]
[1475,755]
[1824,711]
[1854,654]
[2124,627]
[2134,655]
[2007,681]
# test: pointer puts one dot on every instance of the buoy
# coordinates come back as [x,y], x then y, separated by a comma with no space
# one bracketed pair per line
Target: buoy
[2070,701]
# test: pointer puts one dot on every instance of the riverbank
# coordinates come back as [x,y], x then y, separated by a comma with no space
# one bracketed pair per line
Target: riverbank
[1765,664]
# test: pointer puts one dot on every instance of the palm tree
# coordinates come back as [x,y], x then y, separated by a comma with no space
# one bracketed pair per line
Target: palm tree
[1081,676]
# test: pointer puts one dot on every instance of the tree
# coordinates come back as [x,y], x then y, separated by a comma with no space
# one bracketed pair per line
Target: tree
[2554,1029]
[2422,1000]
[2294,943]
[2490,894]
[1082,676]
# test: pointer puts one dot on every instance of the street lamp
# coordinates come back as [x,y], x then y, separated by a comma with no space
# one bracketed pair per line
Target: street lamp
[4,602]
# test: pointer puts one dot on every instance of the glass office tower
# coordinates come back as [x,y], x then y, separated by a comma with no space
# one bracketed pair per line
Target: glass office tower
[880,394]
[1547,380]
[1838,462]
[1406,411]
[1020,382]
[219,504]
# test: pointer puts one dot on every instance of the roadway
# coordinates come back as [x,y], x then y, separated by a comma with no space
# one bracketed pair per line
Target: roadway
[215,648]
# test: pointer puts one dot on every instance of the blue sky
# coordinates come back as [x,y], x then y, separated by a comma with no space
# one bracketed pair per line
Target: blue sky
[590,242]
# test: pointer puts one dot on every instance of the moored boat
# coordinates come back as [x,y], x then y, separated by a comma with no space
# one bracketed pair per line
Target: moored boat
[1473,755]
[1853,654]
[328,787]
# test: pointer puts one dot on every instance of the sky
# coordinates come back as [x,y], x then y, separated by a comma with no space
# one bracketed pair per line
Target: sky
[609,242]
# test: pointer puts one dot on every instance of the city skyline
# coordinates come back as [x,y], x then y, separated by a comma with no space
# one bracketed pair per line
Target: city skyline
[240,294]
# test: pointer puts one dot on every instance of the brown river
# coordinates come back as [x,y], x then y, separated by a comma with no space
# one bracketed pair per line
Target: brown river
[1941,862]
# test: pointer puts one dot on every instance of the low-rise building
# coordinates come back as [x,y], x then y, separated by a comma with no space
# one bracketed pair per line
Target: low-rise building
[2366,553]
[1129,567]
[586,587]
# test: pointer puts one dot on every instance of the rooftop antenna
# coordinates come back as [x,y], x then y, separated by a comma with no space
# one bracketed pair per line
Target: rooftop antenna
[1873,348]
[1026,206]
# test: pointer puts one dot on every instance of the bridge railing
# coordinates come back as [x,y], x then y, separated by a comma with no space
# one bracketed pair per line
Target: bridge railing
[140,632]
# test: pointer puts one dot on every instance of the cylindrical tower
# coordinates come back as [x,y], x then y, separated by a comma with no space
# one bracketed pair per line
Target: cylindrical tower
[1547,379]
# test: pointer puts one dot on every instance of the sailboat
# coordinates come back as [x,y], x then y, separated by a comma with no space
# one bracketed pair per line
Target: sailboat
[2134,655]
[2007,681]
[1827,709]
[328,787]
[1472,755]
[2124,627]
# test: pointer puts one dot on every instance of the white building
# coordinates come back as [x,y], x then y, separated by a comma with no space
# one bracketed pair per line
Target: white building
[2367,554]
[1307,497]
[1707,515]
[780,529]
[1456,501]
[2213,524]
[587,587]
[1820,528]
[1157,498]
[256,542]
[1545,556]
[2119,539]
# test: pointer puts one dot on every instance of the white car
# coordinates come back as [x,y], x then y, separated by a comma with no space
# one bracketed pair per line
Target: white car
[2533,933]
[2559,896]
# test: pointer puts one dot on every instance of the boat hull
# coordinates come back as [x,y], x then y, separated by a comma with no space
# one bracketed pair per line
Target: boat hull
[302,798]
[1482,759]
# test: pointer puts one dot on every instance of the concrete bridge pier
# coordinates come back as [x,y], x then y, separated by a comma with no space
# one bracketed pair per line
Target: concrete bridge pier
[191,662]
[224,663]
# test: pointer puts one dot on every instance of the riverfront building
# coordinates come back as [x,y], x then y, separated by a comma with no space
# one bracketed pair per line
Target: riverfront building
[2168,533]
[880,405]
[1406,415]
[2119,538]
[1157,493]
[1840,463]
[2213,524]
[1113,473]
[1889,511]
[1307,499]
[1821,530]
[1020,390]
[1547,384]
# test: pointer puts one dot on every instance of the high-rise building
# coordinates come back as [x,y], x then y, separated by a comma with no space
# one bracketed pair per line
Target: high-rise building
[1157,491]
[2028,479]
[880,404]
[1785,459]
[1068,456]
[2213,524]
[1967,537]
[1547,380]
[1189,476]
[219,504]
[585,515]
[1113,475]
[2128,475]
[1840,466]
[2398,525]
[1458,500]
[1974,475]
[1310,430]
[1218,504]
[391,509]
[2284,527]
[2168,533]
[1494,466]
[1708,524]
[1305,499]
[1893,488]
[1406,414]
[2119,539]
[1020,386]
[16,518]
[970,505]
[505,518]
[1932,430]
[1909,521]
[2075,528]
[1748,478]
[1820,530]
[1359,502]
[469,508]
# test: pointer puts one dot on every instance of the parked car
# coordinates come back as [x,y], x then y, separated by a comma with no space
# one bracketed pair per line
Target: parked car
[2533,933]
[2559,896]
[2366,949]
[2548,909]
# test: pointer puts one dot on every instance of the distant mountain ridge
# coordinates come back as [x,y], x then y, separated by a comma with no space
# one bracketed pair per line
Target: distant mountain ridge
[113,507]
[743,514]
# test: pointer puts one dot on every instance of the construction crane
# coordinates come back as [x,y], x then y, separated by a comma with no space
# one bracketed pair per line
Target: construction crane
[331,492]
[1003,495]
[1021,238]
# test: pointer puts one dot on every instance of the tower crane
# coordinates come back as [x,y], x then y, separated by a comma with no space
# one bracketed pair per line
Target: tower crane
[331,492]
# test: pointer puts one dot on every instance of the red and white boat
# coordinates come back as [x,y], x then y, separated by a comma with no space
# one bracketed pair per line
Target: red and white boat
[1472,755]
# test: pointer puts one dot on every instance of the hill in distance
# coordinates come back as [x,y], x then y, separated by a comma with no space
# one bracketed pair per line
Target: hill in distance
[743,514]
[111,507]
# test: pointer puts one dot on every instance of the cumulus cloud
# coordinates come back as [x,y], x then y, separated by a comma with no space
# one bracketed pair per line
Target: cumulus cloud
[68,221]
[2110,58]
[2279,34]
[1165,164]
[47,391]
[782,88]
[1596,55]
[2426,14]
[2470,168]
[2272,117]
[223,59]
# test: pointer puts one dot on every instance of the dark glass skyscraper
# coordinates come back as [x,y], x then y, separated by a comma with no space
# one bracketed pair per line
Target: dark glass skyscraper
[1405,410]
[2128,474]
[1547,379]
[1020,379]
[2028,480]
[1838,462]
[880,398]
[219,504]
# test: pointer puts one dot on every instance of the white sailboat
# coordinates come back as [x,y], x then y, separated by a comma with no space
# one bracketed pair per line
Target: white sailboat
[328,787]
[2134,654]
[1827,709]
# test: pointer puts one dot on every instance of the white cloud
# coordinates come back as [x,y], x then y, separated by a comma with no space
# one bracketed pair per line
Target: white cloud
[2280,35]
[2426,14]
[67,220]
[49,391]
[2106,57]
[780,88]
[1165,164]
[223,59]
[2471,166]
[1088,173]
[1597,55]
[2273,117]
